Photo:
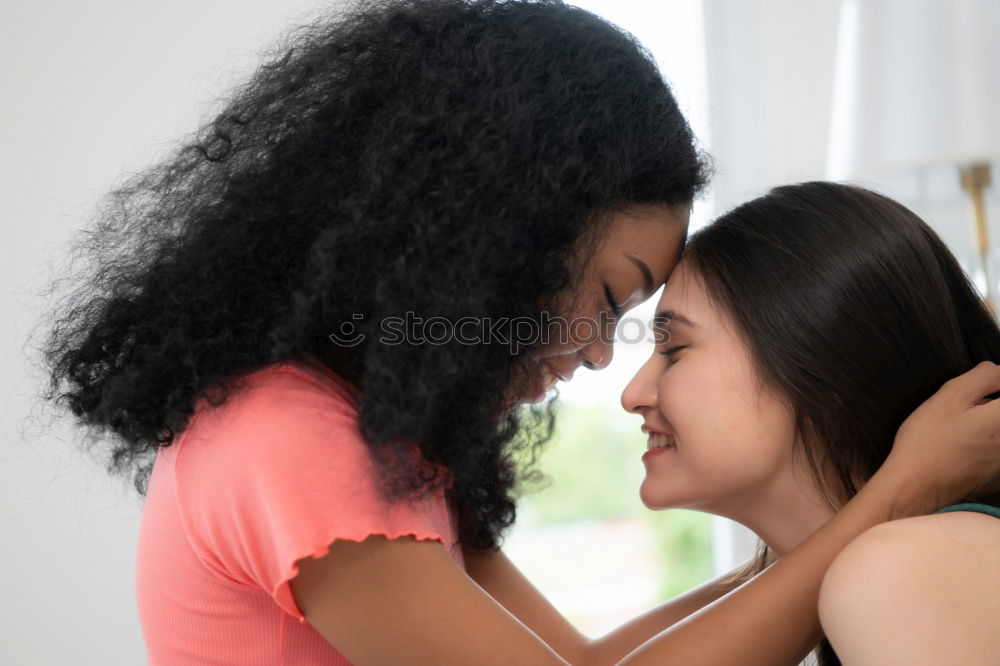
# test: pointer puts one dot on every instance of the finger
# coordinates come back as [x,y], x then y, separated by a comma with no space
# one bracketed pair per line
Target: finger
[988,410]
[974,385]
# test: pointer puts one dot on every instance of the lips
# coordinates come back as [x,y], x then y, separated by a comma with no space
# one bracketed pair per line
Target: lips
[545,378]
[562,377]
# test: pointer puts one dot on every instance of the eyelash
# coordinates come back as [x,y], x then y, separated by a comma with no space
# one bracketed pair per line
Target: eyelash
[615,308]
[673,350]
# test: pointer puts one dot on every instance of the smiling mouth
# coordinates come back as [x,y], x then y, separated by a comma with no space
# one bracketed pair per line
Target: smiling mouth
[657,441]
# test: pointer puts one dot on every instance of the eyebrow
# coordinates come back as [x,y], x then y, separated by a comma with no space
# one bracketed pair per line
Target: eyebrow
[665,316]
[647,274]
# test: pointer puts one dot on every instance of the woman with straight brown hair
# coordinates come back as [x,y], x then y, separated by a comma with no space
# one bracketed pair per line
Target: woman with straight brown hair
[795,336]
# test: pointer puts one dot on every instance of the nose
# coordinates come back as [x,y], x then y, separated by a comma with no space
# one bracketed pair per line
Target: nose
[597,355]
[640,393]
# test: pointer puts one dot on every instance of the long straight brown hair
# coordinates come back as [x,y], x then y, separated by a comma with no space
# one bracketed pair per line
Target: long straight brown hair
[854,309]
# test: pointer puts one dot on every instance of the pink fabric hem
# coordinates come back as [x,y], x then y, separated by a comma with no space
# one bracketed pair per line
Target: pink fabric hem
[282,592]
[352,392]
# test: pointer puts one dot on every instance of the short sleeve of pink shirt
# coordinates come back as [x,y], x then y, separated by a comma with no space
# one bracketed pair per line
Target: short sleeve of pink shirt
[274,475]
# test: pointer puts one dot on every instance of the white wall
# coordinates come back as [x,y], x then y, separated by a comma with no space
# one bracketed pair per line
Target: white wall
[87,91]
[770,68]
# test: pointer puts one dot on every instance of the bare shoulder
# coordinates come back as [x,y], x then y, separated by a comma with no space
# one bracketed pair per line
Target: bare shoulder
[941,534]
[921,558]
[922,590]
[949,544]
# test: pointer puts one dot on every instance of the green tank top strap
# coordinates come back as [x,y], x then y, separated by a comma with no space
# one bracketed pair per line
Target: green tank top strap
[969,506]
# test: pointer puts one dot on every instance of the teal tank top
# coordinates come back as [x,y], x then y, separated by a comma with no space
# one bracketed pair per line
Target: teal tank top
[979,508]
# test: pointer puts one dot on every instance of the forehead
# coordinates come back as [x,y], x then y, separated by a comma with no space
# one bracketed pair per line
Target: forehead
[652,234]
[684,293]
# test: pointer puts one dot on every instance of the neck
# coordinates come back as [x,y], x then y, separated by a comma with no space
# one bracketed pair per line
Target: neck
[784,514]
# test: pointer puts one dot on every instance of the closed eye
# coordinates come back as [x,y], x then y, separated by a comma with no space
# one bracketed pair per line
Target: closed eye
[615,308]
[672,350]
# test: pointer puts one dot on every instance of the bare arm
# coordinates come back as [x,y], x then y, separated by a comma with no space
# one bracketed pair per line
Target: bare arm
[402,601]
[496,574]
[773,618]
[696,629]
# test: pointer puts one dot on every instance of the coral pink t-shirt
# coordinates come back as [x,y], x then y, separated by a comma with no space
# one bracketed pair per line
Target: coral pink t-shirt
[273,475]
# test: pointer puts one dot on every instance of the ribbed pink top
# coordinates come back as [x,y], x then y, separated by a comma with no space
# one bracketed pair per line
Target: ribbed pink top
[274,475]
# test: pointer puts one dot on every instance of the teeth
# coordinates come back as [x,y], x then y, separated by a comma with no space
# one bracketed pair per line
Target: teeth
[656,440]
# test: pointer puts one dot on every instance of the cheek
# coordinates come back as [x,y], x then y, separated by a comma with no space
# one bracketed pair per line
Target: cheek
[568,331]
[693,396]
[729,440]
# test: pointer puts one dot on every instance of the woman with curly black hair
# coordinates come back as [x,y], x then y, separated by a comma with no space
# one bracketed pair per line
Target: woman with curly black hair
[256,335]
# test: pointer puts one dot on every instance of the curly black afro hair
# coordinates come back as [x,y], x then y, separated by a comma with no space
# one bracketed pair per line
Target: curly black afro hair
[439,157]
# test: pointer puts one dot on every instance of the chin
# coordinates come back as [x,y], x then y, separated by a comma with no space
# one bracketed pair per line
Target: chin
[655,498]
